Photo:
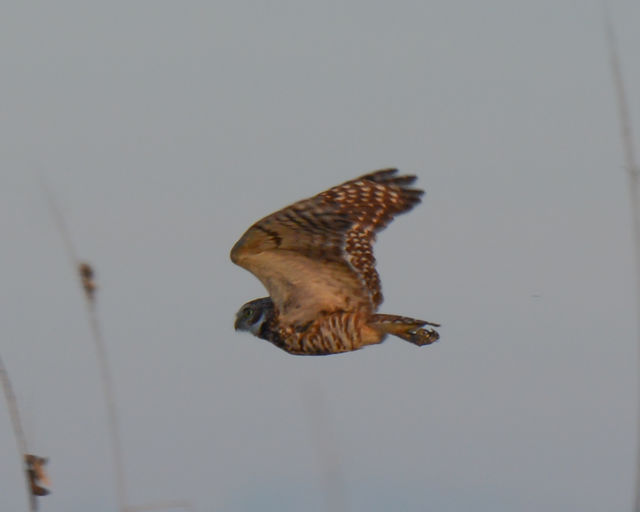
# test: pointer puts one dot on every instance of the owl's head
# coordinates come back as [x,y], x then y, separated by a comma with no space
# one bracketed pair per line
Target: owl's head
[253,315]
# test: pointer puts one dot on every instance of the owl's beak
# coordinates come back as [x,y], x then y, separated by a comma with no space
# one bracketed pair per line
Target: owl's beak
[236,325]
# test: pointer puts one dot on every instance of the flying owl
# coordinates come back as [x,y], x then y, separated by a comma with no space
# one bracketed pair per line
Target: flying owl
[315,258]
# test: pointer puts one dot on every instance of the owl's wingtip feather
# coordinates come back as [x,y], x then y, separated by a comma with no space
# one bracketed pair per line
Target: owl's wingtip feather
[390,177]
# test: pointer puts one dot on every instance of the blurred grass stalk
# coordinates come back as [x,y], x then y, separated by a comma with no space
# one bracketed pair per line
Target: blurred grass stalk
[633,171]
[335,493]
[101,353]
[21,440]
[86,275]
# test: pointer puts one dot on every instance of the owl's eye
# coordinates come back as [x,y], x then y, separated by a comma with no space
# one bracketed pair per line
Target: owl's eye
[247,313]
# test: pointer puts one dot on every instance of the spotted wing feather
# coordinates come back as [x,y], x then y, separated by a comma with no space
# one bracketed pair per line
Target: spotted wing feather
[316,255]
[371,202]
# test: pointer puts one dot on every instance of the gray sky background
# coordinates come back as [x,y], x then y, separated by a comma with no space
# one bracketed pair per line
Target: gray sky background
[166,128]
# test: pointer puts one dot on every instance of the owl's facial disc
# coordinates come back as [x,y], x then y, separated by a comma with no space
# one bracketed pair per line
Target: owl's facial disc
[244,318]
[252,315]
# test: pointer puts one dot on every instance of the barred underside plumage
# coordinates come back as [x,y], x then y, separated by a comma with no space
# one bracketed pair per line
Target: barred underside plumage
[316,260]
[330,334]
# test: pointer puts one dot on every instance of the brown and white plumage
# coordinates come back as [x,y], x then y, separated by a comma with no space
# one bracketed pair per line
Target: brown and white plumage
[315,258]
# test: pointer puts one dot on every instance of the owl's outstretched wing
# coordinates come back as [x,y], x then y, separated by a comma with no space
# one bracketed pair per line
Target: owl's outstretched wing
[316,255]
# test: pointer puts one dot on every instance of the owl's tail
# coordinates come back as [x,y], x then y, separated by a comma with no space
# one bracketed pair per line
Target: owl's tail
[409,329]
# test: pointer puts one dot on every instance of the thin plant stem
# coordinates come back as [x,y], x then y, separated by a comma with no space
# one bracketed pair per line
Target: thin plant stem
[334,487]
[101,353]
[112,411]
[626,135]
[21,440]
[86,278]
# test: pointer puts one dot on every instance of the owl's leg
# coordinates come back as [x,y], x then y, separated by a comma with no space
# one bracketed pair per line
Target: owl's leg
[409,329]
